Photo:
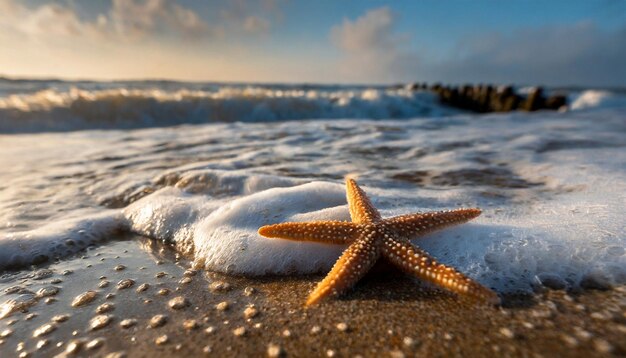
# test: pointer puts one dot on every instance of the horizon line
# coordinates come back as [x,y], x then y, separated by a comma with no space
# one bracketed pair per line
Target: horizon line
[69,79]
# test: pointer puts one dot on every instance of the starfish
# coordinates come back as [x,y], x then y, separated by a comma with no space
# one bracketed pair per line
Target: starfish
[369,237]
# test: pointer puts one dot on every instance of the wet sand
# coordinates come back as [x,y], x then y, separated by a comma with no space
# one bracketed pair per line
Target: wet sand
[209,314]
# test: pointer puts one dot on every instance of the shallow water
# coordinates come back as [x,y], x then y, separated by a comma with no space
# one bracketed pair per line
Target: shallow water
[551,186]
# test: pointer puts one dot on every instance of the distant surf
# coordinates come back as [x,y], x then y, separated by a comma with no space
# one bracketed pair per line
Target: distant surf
[37,106]
[138,106]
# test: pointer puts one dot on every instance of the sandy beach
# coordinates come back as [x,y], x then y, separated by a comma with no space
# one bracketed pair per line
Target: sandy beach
[209,314]
[105,226]
[178,176]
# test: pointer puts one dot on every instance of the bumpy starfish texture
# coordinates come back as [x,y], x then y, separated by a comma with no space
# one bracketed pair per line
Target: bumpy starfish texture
[369,237]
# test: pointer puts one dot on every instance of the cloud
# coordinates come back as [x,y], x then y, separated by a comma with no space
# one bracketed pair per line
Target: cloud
[137,18]
[370,46]
[575,54]
[113,39]
[126,20]
[51,19]
[371,32]
[251,17]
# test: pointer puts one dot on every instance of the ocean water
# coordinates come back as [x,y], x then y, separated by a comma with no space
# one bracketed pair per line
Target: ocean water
[203,166]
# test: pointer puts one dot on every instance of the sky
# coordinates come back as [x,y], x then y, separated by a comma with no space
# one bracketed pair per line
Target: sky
[575,42]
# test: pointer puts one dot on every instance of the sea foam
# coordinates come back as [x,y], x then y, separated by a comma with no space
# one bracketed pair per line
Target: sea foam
[572,238]
[551,187]
[58,239]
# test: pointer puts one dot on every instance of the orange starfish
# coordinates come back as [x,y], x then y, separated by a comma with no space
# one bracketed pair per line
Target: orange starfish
[369,236]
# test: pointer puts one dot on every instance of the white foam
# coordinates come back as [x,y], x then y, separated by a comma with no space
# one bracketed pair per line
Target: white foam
[228,239]
[58,239]
[569,236]
[597,99]
[209,188]
[224,231]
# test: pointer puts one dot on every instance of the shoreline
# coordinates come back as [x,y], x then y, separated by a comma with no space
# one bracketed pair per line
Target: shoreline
[383,316]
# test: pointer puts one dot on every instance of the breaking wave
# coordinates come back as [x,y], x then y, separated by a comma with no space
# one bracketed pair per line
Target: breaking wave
[51,105]
[75,108]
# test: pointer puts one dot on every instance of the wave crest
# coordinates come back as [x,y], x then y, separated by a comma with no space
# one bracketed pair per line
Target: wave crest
[52,109]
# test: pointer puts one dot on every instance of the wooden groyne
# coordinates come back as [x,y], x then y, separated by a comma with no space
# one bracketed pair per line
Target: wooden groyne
[489,98]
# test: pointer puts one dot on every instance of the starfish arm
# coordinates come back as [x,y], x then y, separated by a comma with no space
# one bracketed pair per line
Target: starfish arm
[361,208]
[417,262]
[413,225]
[327,232]
[355,261]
